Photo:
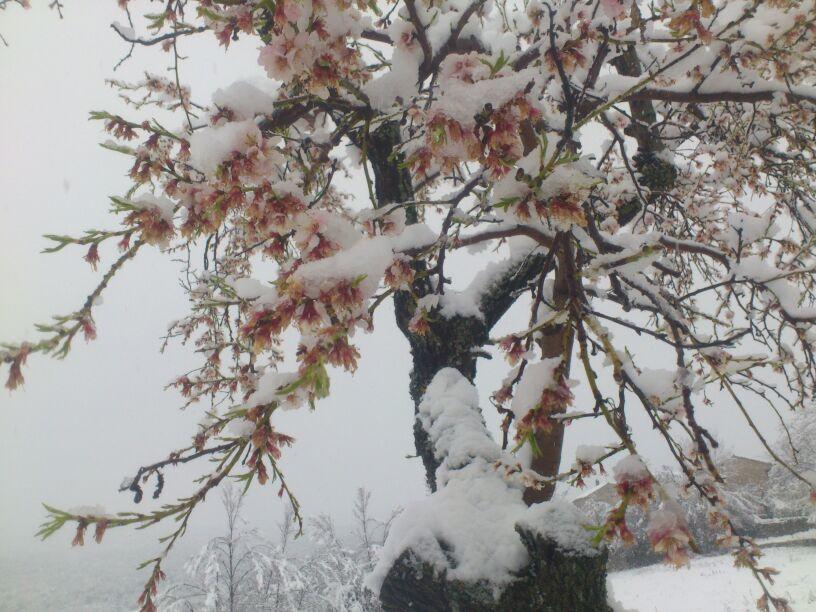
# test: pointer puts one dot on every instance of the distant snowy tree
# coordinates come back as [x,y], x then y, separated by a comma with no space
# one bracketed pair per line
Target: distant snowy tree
[237,571]
[242,570]
[789,495]
[370,533]
[334,569]
[334,573]
[625,167]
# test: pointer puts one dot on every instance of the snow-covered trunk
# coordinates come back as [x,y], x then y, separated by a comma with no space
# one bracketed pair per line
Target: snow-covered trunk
[455,342]
[450,342]
[475,544]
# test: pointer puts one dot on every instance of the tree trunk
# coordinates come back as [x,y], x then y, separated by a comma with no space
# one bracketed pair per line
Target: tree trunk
[556,342]
[553,580]
[450,342]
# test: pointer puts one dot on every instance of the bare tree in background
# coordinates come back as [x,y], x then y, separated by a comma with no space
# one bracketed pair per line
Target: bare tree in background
[243,571]
[223,572]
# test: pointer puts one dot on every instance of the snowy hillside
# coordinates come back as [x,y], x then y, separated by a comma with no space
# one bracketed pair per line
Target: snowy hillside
[713,584]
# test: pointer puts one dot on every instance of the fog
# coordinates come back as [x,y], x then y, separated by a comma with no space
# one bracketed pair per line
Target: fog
[80,425]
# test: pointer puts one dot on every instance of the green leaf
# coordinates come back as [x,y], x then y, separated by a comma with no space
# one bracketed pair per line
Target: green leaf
[122,205]
[62,242]
[496,66]
[322,382]
[205,12]
[504,203]
[99,116]
[144,564]
[372,4]
[112,146]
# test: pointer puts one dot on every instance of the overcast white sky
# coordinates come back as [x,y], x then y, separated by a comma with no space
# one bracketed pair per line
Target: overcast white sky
[82,424]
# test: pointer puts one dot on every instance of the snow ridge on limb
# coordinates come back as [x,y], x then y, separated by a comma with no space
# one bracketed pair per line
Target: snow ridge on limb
[475,529]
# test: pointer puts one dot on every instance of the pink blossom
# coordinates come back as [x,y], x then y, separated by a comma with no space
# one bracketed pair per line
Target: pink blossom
[668,535]
[613,8]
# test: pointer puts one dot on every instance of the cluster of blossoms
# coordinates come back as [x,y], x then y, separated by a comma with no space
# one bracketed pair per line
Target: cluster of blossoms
[308,45]
[586,458]
[633,481]
[152,218]
[553,400]
[635,485]
[669,536]
[266,441]
[478,117]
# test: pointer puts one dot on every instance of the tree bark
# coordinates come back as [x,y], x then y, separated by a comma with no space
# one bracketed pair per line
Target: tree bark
[454,342]
[553,580]
[556,342]
[449,342]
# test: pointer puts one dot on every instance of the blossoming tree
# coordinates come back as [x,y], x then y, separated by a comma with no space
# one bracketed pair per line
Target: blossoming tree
[626,167]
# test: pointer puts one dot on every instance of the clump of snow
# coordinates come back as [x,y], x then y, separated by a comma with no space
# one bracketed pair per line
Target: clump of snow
[364,261]
[536,378]
[474,516]
[561,522]
[468,302]
[399,83]
[241,428]
[746,229]
[253,289]
[570,178]
[95,511]
[754,268]
[630,469]
[164,205]
[662,387]
[462,101]
[268,389]
[211,146]
[459,303]
[125,31]
[416,236]
[589,454]
[333,226]
[244,100]
[574,177]
[475,512]
[450,413]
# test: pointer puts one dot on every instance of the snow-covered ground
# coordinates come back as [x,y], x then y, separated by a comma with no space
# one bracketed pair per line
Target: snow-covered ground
[713,584]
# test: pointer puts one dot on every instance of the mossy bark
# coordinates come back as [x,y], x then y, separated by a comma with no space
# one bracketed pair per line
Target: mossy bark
[553,581]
